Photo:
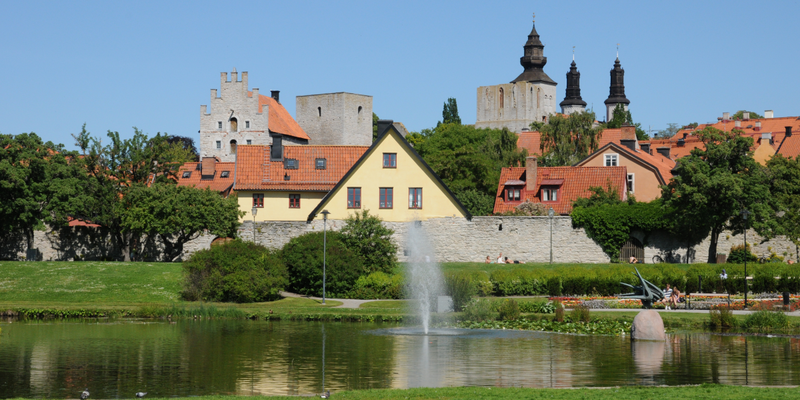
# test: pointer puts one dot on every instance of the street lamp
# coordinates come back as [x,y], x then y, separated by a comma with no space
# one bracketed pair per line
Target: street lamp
[324,248]
[550,213]
[254,211]
[745,213]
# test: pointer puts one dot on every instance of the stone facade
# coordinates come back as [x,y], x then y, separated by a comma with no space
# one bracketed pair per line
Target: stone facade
[232,120]
[336,118]
[515,105]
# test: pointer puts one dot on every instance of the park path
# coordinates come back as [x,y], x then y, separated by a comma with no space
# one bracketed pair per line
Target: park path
[346,303]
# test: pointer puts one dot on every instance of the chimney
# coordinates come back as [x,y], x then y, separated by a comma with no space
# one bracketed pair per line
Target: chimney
[629,143]
[737,124]
[276,94]
[766,136]
[746,116]
[531,170]
[664,151]
[276,150]
[768,114]
[209,165]
[788,131]
[681,142]
[726,116]
[627,132]
[383,125]
[685,135]
[645,147]
[758,126]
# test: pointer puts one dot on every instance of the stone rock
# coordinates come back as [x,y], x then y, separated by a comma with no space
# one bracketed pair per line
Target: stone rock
[648,326]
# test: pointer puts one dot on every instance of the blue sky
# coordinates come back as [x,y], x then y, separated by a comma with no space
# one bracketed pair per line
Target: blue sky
[151,64]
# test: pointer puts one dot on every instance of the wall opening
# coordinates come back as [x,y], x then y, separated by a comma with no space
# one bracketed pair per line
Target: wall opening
[234,125]
[233,146]
[319,111]
[502,99]
[359,110]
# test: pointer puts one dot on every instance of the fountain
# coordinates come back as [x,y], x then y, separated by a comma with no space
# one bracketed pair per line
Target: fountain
[426,282]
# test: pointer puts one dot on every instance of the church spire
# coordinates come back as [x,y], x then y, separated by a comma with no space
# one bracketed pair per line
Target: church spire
[534,60]
[616,92]
[573,102]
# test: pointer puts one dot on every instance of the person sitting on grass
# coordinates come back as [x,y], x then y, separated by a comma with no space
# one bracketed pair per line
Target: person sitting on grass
[667,295]
[488,260]
[633,260]
[675,298]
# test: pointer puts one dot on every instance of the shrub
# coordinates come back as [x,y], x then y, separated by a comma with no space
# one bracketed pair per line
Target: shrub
[766,321]
[303,258]
[509,310]
[377,285]
[721,317]
[538,307]
[479,310]
[581,314]
[741,252]
[237,271]
[461,288]
[365,236]
[559,311]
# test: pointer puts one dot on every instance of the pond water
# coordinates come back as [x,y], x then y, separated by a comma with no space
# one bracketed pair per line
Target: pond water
[115,359]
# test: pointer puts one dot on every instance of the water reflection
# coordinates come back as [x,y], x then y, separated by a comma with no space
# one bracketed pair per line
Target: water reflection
[117,359]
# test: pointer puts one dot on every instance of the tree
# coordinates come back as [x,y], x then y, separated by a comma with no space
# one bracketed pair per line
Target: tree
[468,160]
[622,117]
[113,169]
[784,181]
[39,184]
[177,214]
[740,115]
[450,112]
[670,131]
[599,196]
[187,143]
[565,140]
[713,185]
[365,235]
[375,120]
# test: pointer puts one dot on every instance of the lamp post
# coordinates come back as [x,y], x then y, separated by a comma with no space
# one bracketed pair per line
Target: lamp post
[550,213]
[324,249]
[254,211]
[745,213]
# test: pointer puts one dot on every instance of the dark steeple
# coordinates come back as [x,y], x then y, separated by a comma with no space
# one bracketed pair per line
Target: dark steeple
[616,92]
[533,61]
[573,88]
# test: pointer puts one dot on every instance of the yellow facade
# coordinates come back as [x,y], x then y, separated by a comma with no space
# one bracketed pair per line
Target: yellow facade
[763,153]
[410,172]
[276,205]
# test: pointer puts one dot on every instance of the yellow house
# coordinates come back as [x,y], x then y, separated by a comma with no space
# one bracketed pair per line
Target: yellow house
[393,182]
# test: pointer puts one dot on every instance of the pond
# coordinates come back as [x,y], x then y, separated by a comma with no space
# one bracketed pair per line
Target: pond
[115,359]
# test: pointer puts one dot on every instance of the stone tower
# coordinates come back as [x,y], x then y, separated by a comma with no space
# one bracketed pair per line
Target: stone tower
[573,102]
[528,98]
[616,93]
[336,118]
[234,119]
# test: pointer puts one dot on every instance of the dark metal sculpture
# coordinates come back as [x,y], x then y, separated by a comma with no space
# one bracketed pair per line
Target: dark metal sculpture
[648,293]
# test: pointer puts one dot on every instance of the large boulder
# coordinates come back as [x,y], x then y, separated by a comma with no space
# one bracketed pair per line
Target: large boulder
[648,326]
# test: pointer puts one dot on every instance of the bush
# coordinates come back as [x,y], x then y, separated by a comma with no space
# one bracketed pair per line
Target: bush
[366,237]
[581,314]
[303,259]
[238,271]
[766,321]
[461,288]
[509,310]
[741,252]
[479,310]
[721,317]
[559,311]
[538,307]
[377,285]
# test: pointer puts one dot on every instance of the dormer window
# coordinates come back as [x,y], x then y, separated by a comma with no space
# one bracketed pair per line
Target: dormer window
[290,163]
[549,194]
[320,163]
[187,174]
[513,193]
[225,174]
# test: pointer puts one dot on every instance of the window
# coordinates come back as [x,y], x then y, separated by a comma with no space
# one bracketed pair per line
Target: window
[513,193]
[258,200]
[611,160]
[225,174]
[187,174]
[234,124]
[249,141]
[549,194]
[320,163]
[354,197]
[630,183]
[294,201]
[219,124]
[219,144]
[290,163]
[319,111]
[233,146]
[389,160]
[247,125]
[359,110]
[415,198]
[386,198]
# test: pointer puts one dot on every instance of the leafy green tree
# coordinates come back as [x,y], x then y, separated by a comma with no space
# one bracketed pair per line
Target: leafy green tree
[114,168]
[670,131]
[599,196]
[187,143]
[39,184]
[468,160]
[366,236]
[177,214]
[713,185]
[304,260]
[784,182]
[450,112]
[740,115]
[565,140]
[621,117]
[375,120]
[415,138]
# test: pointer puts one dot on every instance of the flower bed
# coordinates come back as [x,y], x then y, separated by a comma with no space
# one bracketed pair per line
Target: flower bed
[758,302]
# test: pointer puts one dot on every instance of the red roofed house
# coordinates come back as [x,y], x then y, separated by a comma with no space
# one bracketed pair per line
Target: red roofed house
[209,173]
[556,187]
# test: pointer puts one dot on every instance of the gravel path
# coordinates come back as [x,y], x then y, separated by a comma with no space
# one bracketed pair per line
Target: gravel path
[346,303]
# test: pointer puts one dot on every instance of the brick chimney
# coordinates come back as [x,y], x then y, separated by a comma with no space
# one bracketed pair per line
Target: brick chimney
[531,171]
[628,132]
[209,166]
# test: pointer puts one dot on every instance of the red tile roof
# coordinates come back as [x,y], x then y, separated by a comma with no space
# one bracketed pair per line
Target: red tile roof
[255,171]
[214,182]
[530,140]
[280,121]
[663,165]
[577,181]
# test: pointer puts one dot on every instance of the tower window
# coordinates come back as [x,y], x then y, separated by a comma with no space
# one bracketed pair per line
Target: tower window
[219,144]
[233,146]
[319,111]
[219,124]
[249,141]
[234,125]
[359,110]
[502,98]
[247,124]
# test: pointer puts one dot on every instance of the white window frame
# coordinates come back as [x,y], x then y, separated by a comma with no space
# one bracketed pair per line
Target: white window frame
[631,182]
[611,160]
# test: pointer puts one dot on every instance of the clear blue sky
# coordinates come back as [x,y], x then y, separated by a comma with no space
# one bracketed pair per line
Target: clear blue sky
[150,64]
